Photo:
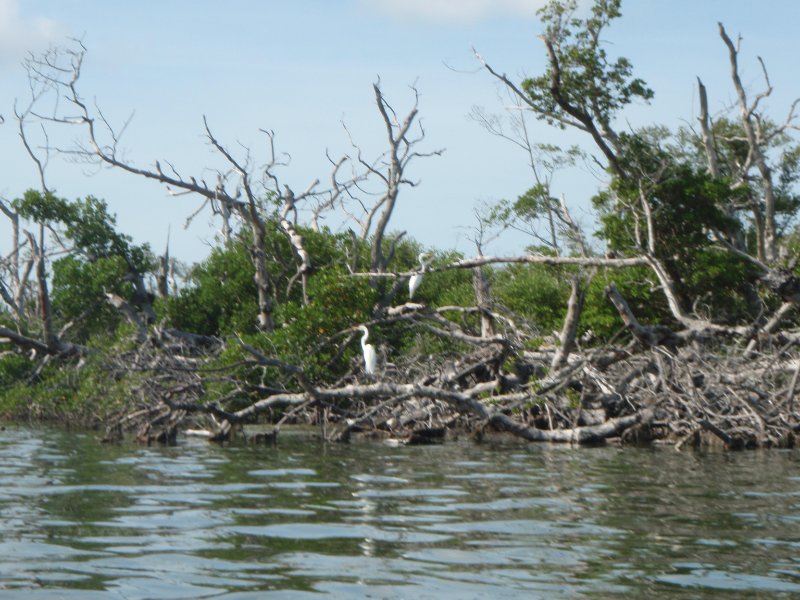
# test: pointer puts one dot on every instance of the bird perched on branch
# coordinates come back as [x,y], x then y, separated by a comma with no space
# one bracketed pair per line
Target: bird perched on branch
[416,279]
[370,358]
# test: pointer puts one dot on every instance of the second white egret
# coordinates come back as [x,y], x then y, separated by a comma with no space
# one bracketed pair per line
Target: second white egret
[370,358]
[416,279]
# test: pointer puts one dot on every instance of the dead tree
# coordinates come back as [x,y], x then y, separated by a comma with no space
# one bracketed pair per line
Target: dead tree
[757,133]
[751,123]
[390,173]
[239,189]
[235,191]
[30,257]
[15,269]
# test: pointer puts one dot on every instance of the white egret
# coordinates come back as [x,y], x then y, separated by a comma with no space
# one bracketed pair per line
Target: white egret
[416,279]
[370,358]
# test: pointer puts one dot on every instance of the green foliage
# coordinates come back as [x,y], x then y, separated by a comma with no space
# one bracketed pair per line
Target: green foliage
[733,151]
[308,334]
[221,297]
[590,81]
[78,293]
[43,208]
[61,392]
[717,282]
[444,288]
[87,223]
[536,292]
[582,85]
[14,368]
[640,289]
[686,204]
[537,207]
[788,200]
[101,260]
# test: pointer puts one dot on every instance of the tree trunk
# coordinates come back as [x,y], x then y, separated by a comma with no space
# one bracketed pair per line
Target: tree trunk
[44,295]
[577,297]
[483,300]
[754,141]
[261,277]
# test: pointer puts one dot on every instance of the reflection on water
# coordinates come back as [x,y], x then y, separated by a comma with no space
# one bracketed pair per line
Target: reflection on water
[303,520]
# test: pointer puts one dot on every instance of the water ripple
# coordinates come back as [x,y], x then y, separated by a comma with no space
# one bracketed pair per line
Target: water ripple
[79,520]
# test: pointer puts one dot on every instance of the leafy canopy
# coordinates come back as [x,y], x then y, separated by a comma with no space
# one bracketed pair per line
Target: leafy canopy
[580,72]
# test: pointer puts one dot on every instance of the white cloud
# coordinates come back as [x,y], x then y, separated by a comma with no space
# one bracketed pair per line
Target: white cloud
[455,11]
[19,35]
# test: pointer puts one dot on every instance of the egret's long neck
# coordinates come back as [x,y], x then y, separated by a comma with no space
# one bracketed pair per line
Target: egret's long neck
[364,338]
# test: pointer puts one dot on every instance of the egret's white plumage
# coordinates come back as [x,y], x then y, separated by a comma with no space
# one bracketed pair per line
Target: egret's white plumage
[413,284]
[370,358]
[416,279]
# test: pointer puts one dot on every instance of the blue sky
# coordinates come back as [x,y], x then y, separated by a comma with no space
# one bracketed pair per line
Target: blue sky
[301,67]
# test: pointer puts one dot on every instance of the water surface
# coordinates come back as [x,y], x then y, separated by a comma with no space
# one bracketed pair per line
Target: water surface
[79,519]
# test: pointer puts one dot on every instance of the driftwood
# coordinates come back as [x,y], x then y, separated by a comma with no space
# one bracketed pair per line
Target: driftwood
[676,386]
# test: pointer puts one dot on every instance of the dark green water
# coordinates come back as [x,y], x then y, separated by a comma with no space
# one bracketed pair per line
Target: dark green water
[82,520]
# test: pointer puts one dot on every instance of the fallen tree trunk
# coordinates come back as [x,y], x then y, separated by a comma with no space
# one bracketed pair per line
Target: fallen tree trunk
[591,434]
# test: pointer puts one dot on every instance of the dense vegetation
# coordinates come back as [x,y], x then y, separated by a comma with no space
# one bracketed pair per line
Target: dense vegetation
[682,326]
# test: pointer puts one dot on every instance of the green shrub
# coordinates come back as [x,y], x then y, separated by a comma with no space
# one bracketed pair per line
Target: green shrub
[538,293]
